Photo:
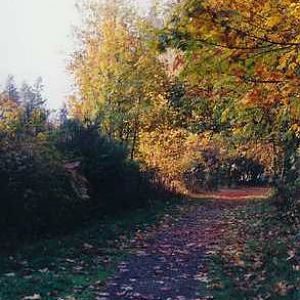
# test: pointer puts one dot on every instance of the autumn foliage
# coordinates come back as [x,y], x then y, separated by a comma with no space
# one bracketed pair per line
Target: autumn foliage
[195,96]
[217,76]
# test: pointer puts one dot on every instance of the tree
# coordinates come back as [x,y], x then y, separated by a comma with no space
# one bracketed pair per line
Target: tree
[10,114]
[35,114]
[246,53]
[63,114]
[116,72]
[11,90]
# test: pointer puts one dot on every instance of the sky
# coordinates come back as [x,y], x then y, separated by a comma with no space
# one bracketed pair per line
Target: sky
[36,40]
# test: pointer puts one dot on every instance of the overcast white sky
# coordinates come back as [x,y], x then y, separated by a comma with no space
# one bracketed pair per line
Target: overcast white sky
[35,39]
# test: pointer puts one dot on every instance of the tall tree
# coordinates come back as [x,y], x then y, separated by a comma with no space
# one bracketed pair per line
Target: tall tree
[11,89]
[10,114]
[115,70]
[35,114]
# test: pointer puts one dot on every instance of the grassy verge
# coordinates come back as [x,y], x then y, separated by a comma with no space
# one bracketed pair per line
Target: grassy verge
[74,266]
[259,258]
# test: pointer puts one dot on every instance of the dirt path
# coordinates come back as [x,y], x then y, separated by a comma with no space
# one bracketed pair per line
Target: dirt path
[171,262]
[246,193]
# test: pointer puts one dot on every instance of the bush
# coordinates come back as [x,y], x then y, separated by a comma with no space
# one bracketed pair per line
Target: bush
[115,182]
[52,185]
[36,191]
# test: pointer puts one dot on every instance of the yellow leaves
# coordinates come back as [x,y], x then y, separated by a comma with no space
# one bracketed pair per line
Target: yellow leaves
[163,149]
[294,10]
[225,115]
[283,61]
[267,6]
[296,129]
[10,114]
[273,21]
[194,145]
[295,109]
[252,98]
[216,4]
[289,63]
[238,131]
[42,137]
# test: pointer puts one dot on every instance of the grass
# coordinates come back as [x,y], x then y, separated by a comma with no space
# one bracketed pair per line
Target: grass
[73,266]
[259,258]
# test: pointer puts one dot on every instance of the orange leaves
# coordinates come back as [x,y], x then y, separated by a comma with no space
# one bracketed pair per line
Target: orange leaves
[270,89]
[239,73]
[10,114]
[252,98]
[261,70]
[249,48]
[273,20]
[265,74]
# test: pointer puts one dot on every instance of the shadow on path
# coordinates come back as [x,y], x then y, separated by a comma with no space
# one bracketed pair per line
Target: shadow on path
[171,261]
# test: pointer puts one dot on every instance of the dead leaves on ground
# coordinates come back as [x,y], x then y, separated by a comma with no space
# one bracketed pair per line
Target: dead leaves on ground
[259,255]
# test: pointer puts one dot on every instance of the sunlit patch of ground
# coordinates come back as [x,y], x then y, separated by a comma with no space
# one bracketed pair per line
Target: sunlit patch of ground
[245,193]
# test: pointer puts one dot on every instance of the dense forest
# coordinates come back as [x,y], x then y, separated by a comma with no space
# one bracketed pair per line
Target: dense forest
[194,97]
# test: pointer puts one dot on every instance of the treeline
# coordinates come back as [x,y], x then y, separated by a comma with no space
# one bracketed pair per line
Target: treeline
[56,173]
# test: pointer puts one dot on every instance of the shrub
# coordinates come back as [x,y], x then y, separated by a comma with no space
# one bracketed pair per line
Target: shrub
[50,185]
[115,182]
[36,191]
